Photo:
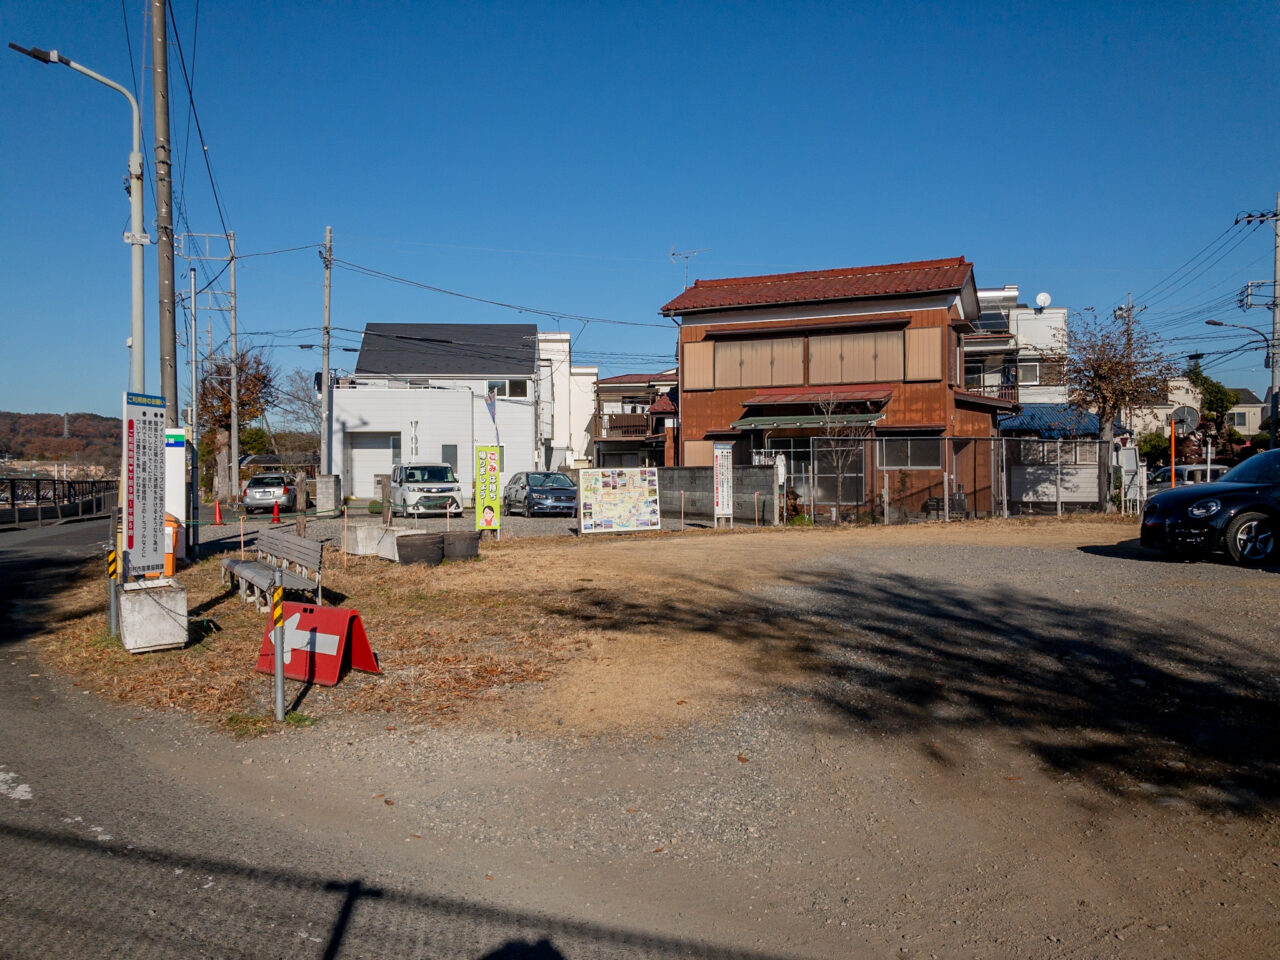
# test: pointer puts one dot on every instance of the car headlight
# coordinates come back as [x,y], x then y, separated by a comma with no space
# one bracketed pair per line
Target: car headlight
[540,496]
[1203,508]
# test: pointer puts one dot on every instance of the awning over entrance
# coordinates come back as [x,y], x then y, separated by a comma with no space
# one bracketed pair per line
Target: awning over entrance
[787,421]
[840,394]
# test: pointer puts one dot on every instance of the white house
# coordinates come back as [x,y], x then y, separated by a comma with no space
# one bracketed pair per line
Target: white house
[1156,418]
[1247,415]
[1011,353]
[436,391]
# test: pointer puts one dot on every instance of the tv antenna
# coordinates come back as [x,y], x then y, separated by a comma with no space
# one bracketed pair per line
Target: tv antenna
[686,256]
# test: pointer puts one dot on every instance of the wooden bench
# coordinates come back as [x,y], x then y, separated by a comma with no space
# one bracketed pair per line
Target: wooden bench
[298,558]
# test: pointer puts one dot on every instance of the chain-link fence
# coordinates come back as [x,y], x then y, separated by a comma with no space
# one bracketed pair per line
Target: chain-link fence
[911,479]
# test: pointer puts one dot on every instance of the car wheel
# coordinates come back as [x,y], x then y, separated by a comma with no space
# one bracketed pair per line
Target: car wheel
[1251,540]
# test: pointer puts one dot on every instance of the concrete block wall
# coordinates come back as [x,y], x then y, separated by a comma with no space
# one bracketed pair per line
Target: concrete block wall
[699,501]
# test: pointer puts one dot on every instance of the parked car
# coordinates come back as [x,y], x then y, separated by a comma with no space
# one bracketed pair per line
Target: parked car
[418,488]
[265,490]
[534,492]
[1238,514]
[1187,473]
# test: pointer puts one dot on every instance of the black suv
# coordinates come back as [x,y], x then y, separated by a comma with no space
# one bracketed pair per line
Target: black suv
[1239,514]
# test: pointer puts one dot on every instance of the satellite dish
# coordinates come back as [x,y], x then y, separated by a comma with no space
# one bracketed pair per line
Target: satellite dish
[1043,300]
[1184,419]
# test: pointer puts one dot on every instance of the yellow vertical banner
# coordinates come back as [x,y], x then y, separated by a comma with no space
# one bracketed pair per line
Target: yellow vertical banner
[488,494]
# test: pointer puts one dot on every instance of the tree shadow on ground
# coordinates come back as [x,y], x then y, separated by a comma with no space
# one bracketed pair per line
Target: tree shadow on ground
[1160,711]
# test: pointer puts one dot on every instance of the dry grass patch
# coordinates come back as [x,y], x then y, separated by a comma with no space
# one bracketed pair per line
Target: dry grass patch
[540,635]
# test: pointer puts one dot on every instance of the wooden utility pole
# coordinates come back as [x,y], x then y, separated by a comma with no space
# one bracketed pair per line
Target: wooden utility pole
[164,214]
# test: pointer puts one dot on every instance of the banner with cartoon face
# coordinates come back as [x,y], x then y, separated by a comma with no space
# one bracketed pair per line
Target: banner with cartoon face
[488,497]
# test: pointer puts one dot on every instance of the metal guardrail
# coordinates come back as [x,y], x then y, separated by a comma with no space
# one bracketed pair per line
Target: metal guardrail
[40,500]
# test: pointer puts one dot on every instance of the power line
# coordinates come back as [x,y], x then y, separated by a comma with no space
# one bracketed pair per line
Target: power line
[191,101]
[551,314]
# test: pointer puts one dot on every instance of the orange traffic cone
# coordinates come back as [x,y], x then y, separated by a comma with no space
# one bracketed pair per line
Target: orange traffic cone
[275,512]
[217,513]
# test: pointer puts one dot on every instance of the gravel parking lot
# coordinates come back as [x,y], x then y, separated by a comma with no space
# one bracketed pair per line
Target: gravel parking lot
[1008,739]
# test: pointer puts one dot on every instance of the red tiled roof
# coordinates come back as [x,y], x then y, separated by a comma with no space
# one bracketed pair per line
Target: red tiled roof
[662,376]
[662,405]
[843,394]
[849,283]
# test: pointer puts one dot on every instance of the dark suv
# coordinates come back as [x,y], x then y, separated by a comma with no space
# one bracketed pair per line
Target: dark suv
[1238,514]
[540,492]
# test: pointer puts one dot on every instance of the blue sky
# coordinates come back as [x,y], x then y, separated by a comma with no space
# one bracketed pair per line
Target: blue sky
[552,155]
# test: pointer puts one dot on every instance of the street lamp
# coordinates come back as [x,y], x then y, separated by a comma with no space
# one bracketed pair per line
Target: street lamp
[136,238]
[1271,346]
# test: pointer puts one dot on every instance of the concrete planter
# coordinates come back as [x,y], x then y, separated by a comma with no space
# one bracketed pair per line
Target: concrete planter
[461,544]
[425,548]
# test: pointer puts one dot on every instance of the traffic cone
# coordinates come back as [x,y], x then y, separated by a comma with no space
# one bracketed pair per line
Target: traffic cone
[275,512]
[217,513]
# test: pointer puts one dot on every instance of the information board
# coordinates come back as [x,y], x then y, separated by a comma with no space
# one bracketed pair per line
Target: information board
[619,500]
[144,442]
[488,493]
[722,479]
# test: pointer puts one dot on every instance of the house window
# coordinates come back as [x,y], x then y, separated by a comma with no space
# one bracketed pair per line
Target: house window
[923,453]
[1029,374]
[449,455]
[498,388]
[1238,419]
[1052,374]
[395,448]
[517,388]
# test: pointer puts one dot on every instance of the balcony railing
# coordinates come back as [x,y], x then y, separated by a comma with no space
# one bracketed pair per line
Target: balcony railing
[620,426]
[1001,391]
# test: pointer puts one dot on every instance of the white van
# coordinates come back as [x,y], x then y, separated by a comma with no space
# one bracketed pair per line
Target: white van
[418,488]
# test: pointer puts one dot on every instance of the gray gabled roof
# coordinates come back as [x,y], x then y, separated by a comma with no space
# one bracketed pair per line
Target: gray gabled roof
[1245,394]
[448,350]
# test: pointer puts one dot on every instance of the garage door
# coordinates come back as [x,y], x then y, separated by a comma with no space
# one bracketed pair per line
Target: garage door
[367,456]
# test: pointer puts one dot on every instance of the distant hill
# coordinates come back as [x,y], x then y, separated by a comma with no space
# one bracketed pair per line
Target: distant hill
[91,438]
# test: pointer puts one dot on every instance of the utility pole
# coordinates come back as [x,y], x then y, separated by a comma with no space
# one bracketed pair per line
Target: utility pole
[326,454]
[164,213]
[193,528]
[235,375]
[136,237]
[1274,346]
[1273,342]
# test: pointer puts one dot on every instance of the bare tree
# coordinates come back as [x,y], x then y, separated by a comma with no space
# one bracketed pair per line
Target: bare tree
[842,451]
[298,404]
[1110,364]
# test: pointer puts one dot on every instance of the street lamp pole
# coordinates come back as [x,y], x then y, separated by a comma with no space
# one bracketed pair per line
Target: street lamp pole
[1273,355]
[136,237]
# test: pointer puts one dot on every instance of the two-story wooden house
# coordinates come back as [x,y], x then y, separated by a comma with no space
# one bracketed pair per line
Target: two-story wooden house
[770,362]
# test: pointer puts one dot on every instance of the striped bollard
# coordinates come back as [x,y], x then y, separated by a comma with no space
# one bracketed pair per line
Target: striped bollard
[113,612]
[277,641]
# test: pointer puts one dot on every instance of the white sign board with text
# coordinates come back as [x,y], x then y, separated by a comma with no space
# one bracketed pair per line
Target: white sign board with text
[144,445]
[722,470]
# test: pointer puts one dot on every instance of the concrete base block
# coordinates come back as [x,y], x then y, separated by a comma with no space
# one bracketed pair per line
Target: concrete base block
[153,615]
[328,495]
[364,539]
